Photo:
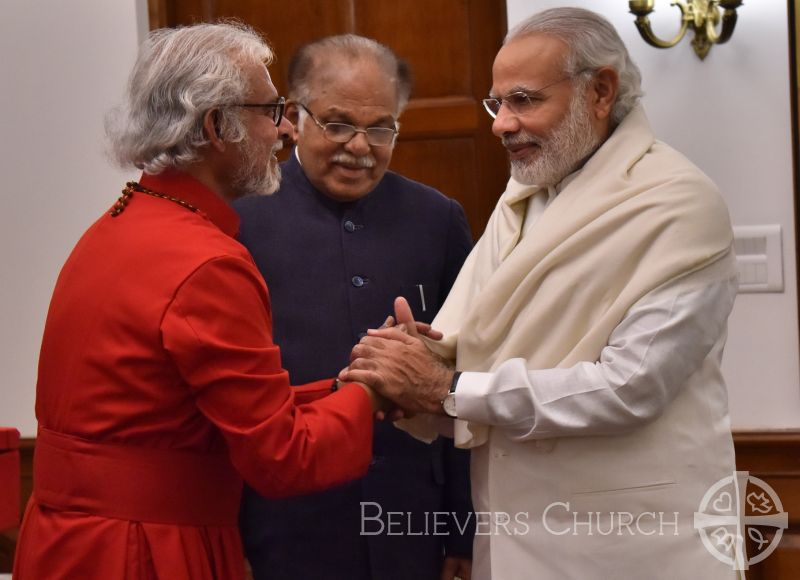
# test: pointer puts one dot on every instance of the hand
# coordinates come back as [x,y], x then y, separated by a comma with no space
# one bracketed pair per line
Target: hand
[380,405]
[401,368]
[382,408]
[455,567]
[403,315]
[395,414]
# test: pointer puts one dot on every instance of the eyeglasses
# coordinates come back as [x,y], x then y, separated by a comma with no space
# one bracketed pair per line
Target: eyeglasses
[272,110]
[342,132]
[522,102]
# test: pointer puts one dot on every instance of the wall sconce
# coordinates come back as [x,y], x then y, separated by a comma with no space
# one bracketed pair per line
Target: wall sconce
[702,15]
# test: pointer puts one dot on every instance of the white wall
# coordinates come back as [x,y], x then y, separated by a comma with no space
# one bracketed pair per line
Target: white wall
[64,64]
[731,115]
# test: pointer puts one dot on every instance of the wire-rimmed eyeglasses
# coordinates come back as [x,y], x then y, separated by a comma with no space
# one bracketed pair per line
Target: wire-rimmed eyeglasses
[342,132]
[522,102]
[273,110]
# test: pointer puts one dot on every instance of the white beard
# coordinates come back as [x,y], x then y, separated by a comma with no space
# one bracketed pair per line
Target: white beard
[562,152]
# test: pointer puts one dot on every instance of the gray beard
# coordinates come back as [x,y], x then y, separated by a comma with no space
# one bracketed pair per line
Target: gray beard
[562,152]
[259,173]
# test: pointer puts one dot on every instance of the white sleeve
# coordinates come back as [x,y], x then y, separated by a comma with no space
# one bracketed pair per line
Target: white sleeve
[660,342]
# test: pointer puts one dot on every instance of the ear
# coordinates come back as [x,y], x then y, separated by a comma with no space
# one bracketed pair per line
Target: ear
[603,93]
[211,129]
[292,113]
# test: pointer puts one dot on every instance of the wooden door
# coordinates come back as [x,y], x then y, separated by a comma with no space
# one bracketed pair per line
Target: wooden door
[445,136]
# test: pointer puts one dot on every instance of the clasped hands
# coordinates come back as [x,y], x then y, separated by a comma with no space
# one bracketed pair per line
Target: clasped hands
[397,365]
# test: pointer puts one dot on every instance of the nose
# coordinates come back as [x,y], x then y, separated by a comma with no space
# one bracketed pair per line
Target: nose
[358,145]
[505,122]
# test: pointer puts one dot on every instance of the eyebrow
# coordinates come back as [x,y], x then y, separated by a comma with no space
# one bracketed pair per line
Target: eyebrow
[517,89]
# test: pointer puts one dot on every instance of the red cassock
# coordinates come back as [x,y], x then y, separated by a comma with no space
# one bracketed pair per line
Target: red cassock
[159,389]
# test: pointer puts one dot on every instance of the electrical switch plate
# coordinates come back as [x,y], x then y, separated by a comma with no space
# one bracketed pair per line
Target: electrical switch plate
[759,255]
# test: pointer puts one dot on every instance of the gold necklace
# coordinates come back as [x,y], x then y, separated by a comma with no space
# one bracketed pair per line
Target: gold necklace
[133,186]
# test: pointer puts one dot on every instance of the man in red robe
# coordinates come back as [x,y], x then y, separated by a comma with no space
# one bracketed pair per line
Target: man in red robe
[159,385]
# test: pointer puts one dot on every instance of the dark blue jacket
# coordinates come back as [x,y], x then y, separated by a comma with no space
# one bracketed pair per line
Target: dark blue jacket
[333,270]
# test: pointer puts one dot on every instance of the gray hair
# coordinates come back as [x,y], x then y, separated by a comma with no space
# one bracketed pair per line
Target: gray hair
[593,43]
[179,75]
[353,48]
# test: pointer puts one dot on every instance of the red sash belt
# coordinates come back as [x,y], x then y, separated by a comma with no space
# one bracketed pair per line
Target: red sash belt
[135,483]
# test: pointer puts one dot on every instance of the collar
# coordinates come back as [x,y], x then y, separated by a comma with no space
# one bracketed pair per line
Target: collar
[183,186]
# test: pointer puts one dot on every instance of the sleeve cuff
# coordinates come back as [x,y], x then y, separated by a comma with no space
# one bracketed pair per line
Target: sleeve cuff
[471,399]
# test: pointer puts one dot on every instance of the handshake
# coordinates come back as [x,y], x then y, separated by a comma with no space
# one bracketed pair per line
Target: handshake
[397,369]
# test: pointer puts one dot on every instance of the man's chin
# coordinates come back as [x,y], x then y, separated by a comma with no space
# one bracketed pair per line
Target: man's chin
[266,186]
[272,182]
[264,192]
[522,174]
[541,174]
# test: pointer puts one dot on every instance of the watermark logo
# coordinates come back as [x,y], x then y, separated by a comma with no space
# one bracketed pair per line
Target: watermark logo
[607,523]
[737,508]
[376,522]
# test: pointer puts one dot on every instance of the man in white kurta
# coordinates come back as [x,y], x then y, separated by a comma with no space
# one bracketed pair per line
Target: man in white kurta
[587,328]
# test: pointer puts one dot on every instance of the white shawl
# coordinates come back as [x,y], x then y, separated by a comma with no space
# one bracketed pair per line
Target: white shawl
[620,229]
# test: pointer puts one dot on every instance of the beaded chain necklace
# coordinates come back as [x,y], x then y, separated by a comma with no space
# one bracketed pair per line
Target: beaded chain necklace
[133,186]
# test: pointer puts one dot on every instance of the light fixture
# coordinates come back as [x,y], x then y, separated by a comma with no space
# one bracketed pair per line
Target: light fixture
[702,15]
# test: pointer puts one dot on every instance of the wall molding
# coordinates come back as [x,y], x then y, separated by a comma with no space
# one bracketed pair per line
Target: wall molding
[774,456]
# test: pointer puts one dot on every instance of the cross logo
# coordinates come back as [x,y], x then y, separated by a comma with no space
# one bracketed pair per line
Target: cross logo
[735,508]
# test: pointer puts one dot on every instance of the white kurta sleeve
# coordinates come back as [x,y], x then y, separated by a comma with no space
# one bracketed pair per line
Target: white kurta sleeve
[660,342]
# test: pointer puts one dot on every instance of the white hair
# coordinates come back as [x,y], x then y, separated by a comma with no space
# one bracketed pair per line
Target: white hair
[593,43]
[180,75]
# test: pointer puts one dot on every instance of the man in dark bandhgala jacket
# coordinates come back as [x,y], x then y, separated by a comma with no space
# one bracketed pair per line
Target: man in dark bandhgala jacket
[336,244]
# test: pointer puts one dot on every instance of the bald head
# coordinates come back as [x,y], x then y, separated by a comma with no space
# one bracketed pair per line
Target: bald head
[326,59]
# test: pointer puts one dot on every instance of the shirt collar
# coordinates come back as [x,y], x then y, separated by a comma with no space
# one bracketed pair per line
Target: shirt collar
[176,183]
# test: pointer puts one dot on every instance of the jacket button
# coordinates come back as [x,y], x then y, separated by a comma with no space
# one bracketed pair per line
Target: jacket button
[357,281]
[349,226]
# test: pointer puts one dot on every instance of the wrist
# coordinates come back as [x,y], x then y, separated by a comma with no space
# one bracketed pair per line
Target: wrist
[447,404]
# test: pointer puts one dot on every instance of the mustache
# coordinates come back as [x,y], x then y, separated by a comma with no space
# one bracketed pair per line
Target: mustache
[365,161]
[521,138]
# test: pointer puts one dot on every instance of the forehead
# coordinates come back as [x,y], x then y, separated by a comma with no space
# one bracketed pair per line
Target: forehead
[530,61]
[355,86]
[260,82]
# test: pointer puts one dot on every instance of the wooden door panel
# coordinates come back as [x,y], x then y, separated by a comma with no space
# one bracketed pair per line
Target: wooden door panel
[434,39]
[437,116]
[286,25]
[447,164]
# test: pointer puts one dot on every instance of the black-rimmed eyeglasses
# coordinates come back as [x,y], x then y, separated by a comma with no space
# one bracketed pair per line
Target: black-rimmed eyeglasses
[342,132]
[271,110]
[522,102]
